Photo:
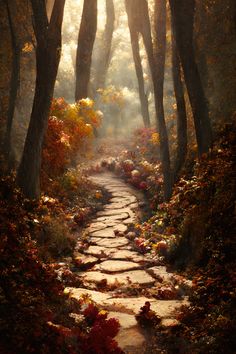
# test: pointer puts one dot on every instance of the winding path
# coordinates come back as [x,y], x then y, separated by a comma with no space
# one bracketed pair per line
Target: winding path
[119,273]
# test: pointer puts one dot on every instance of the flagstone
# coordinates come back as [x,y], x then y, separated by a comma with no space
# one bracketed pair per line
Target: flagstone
[113,242]
[112,266]
[134,276]
[108,232]
[99,252]
[109,212]
[128,255]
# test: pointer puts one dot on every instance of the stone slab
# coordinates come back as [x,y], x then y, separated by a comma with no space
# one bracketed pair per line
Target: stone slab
[129,199]
[96,226]
[108,232]
[113,242]
[129,221]
[160,271]
[96,296]
[112,266]
[99,252]
[118,205]
[122,216]
[163,308]
[114,212]
[134,276]
[128,255]
[120,228]
[131,341]
[84,261]
[126,320]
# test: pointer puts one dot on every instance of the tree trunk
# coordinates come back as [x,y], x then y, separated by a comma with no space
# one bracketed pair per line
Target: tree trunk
[181,110]
[138,67]
[158,74]
[14,84]
[48,49]
[105,51]
[156,59]
[86,38]
[183,21]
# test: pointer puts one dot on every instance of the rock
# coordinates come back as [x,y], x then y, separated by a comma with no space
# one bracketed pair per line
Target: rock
[134,276]
[160,272]
[113,242]
[99,252]
[106,233]
[110,218]
[131,340]
[110,266]
[129,221]
[84,262]
[118,205]
[126,321]
[169,322]
[134,206]
[96,226]
[163,308]
[114,212]
[120,228]
[96,296]
[128,255]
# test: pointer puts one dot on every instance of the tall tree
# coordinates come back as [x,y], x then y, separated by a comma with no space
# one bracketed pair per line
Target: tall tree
[183,22]
[14,82]
[48,36]
[106,44]
[181,109]
[86,38]
[158,83]
[156,57]
[134,36]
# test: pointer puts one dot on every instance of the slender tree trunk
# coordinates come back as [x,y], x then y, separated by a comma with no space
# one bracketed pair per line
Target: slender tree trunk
[183,20]
[181,110]
[105,51]
[47,60]
[159,71]
[14,84]
[156,59]
[86,38]
[138,67]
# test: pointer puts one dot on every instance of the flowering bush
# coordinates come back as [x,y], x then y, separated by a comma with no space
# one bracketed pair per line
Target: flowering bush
[69,134]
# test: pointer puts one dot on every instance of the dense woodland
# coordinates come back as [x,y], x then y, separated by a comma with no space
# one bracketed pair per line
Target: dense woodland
[145,89]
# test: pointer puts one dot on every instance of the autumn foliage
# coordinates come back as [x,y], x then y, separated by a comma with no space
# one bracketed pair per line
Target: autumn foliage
[34,309]
[69,134]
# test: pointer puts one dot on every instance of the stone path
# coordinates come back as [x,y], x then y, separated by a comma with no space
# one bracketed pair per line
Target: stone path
[121,275]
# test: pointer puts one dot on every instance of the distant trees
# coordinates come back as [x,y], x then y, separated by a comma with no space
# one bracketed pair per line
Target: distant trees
[86,38]
[134,28]
[105,49]
[48,37]
[183,20]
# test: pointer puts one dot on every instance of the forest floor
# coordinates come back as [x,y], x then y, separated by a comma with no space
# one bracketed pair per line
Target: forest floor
[101,245]
[117,277]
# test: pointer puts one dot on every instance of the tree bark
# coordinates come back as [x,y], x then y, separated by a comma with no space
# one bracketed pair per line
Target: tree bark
[158,76]
[181,110]
[14,84]
[156,59]
[86,38]
[138,66]
[183,21]
[48,51]
[105,52]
